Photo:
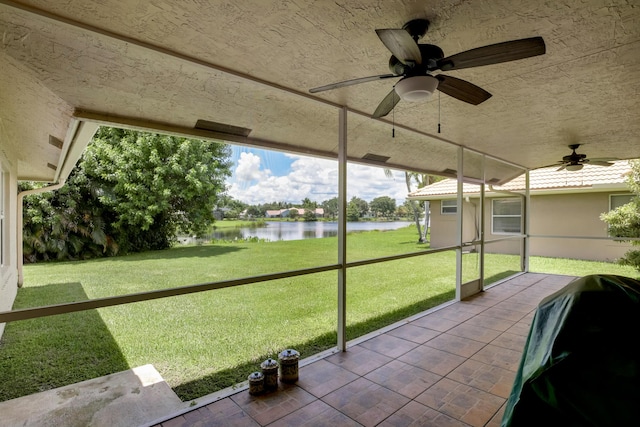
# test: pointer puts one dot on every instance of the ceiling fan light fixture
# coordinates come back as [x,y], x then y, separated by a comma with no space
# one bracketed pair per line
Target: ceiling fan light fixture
[416,88]
[574,167]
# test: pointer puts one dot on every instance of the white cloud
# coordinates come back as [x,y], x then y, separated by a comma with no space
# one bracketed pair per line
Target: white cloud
[249,168]
[311,177]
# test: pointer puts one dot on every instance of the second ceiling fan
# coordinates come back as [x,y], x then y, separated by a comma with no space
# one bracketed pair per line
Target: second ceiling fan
[415,62]
[575,161]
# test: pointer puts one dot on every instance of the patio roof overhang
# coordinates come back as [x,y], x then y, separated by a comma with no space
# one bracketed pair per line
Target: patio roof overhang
[162,67]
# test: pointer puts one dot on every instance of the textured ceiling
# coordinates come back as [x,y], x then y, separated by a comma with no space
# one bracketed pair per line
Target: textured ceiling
[166,64]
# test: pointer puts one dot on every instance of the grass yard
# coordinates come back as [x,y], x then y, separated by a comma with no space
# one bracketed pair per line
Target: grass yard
[236,223]
[207,341]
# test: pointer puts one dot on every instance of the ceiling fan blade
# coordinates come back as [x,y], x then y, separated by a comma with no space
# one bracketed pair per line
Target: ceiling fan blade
[401,45]
[561,168]
[494,54]
[351,82]
[604,159]
[387,104]
[462,89]
[600,163]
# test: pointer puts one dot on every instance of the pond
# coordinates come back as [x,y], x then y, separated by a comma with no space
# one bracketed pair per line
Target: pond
[290,230]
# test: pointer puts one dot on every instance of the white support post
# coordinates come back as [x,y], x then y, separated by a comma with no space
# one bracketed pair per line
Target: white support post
[481,219]
[527,215]
[342,230]
[459,225]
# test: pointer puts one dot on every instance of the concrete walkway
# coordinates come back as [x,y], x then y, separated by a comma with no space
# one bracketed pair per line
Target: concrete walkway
[125,399]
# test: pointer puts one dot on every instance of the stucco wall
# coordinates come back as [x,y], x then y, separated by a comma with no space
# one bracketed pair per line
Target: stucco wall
[443,226]
[573,215]
[559,215]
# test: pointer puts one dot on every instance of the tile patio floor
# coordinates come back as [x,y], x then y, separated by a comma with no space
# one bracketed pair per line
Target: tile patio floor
[450,367]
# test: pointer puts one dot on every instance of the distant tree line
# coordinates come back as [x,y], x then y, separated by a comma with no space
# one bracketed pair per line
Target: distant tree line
[381,207]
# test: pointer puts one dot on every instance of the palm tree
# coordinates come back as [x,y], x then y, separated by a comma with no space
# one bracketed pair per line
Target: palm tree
[422,180]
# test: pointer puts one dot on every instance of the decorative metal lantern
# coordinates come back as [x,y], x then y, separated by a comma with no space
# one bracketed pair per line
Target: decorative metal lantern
[270,372]
[289,365]
[256,383]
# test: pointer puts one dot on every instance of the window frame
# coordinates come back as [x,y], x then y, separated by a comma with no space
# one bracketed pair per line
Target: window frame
[452,209]
[494,216]
[611,196]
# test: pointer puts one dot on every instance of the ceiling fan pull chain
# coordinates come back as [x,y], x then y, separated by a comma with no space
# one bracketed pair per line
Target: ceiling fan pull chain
[393,120]
[438,111]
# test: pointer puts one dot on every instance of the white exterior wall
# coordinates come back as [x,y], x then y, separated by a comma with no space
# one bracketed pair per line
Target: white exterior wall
[575,214]
[9,265]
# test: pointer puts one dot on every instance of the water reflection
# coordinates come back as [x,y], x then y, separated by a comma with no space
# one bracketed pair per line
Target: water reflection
[290,230]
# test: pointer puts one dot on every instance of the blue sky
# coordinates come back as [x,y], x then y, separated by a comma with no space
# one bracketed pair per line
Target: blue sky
[263,176]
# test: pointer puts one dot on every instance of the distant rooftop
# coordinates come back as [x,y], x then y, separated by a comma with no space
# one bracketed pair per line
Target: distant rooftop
[544,180]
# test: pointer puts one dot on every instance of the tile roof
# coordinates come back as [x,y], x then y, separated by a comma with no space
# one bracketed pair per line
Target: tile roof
[543,179]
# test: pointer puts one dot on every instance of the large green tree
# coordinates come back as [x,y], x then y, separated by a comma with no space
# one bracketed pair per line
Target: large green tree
[624,221]
[66,224]
[361,205]
[383,206]
[309,215]
[353,212]
[131,191]
[309,207]
[330,208]
[309,204]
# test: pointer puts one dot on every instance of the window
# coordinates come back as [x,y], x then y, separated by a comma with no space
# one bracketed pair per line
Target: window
[617,200]
[506,216]
[449,207]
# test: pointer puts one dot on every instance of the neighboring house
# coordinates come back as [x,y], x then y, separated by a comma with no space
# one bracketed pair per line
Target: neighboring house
[275,213]
[565,209]
[220,213]
[283,213]
[318,211]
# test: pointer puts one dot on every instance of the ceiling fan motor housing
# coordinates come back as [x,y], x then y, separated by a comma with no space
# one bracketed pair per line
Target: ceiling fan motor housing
[430,55]
[417,28]
[397,67]
[574,157]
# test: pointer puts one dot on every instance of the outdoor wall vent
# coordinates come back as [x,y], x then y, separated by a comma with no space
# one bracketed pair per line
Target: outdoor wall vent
[222,128]
[55,142]
[52,166]
[376,157]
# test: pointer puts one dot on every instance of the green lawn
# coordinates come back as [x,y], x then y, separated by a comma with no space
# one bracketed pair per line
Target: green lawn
[203,342]
[236,223]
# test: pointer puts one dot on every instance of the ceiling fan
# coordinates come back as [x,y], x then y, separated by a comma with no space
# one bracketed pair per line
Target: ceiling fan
[575,161]
[414,63]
